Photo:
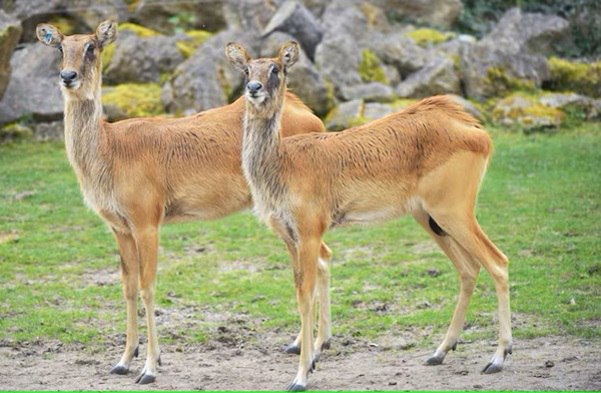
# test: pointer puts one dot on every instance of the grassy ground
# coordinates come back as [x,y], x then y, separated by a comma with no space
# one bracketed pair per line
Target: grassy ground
[540,203]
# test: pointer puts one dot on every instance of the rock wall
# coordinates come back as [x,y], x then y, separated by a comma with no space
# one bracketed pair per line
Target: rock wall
[360,59]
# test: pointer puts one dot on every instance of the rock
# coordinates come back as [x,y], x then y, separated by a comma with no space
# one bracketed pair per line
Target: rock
[346,115]
[206,80]
[562,100]
[400,51]
[337,58]
[249,16]
[142,59]
[436,77]
[49,131]
[526,113]
[304,80]
[169,16]
[373,91]
[468,106]
[79,14]
[512,54]
[294,19]
[441,13]
[376,110]
[132,100]
[10,32]
[581,77]
[33,89]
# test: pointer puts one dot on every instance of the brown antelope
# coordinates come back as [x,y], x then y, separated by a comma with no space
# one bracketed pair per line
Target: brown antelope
[427,160]
[140,173]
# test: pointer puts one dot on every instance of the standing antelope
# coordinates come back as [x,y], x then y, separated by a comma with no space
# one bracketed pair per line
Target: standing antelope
[140,173]
[427,160]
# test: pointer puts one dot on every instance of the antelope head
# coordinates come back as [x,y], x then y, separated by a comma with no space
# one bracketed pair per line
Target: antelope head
[265,79]
[81,72]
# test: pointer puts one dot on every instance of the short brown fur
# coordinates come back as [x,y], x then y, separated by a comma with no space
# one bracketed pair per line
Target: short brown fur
[427,160]
[140,173]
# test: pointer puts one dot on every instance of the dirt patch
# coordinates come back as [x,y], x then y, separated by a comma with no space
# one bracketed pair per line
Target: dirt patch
[551,363]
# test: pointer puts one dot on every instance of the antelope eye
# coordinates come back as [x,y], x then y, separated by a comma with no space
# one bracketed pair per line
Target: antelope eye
[89,48]
[275,70]
[60,48]
[246,71]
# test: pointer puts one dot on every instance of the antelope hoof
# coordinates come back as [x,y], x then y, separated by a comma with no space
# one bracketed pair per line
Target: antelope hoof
[492,368]
[293,349]
[296,387]
[144,379]
[434,360]
[119,370]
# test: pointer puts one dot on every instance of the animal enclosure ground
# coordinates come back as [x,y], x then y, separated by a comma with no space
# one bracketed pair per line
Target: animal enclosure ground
[225,296]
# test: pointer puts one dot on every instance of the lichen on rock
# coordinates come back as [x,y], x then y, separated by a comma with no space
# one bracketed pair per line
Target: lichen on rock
[370,68]
[582,78]
[132,100]
[429,37]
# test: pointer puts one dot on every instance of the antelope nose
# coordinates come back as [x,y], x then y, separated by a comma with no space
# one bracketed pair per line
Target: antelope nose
[253,87]
[68,76]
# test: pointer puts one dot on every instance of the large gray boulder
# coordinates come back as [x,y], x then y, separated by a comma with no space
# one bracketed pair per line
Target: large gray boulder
[337,58]
[345,115]
[142,59]
[373,91]
[436,77]
[249,16]
[441,13]
[206,80]
[10,32]
[400,51]
[165,16]
[304,79]
[81,14]
[33,89]
[515,49]
[294,19]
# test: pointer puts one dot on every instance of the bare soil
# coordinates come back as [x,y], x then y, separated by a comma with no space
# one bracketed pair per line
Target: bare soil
[548,363]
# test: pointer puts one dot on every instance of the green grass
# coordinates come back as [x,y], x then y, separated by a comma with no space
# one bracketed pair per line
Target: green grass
[540,203]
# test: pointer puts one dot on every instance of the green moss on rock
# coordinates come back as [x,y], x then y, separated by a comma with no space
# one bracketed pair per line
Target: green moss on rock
[499,83]
[107,55]
[140,31]
[582,78]
[196,39]
[370,68]
[429,37]
[526,112]
[136,99]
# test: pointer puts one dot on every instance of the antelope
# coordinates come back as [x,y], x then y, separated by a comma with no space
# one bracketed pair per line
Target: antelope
[139,173]
[427,160]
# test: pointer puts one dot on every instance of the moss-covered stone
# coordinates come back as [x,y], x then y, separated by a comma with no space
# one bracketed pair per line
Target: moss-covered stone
[134,99]
[107,55]
[141,31]
[370,68]
[525,111]
[499,83]
[196,39]
[429,37]
[14,132]
[582,78]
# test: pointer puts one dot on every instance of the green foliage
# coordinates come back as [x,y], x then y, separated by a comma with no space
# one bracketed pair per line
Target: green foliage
[136,99]
[582,78]
[539,203]
[428,37]
[370,68]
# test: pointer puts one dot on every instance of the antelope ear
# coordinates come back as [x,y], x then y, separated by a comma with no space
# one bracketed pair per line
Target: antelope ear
[106,32]
[49,35]
[237,55]
[289,53]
